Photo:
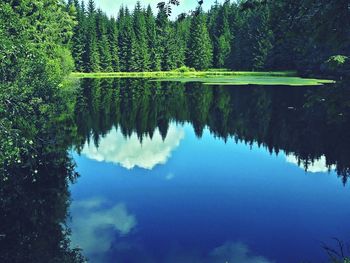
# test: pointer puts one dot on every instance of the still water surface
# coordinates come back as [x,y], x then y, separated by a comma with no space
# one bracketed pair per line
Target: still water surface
[174,172]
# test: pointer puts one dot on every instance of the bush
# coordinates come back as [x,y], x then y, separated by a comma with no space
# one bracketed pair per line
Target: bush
[184,69]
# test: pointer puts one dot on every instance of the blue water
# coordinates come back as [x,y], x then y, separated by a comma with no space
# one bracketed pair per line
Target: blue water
[190,199]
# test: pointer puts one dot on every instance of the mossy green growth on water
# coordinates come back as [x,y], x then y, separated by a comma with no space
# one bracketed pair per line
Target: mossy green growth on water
[253,80]
[212,77]
[179,73]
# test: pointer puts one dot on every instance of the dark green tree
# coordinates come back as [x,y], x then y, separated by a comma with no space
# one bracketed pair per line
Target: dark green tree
[253,41]
[126,39]
[199,53]
[140,58]
[166,43]
[113,44]
[78,39]
[182,34]
[152,40]
[220,34]
[91,55]
[102,42]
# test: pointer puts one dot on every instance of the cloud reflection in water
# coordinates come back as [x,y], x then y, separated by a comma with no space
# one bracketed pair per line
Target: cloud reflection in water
[130,152]
[318,166]
[94,226]
[236,252]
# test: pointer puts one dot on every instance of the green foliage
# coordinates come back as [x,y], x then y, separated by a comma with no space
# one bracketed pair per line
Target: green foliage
[199,52]
[220,33]
[166,41]
[140,57]
[103,42]
[184,69]
[151,37]
[240,35]
[126,40]
[34,59]
[113,45]
[337,62]
[253,41]
[63,62]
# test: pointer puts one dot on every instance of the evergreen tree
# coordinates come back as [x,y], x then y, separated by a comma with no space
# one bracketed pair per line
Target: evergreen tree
[223,40]
[262,39]
[170,51]
[140,59]
[287,27]
[78,39]
[244,35]
[220,34]
[253,41]
[152,40]
[103,43]
[165,41]
[182,34]
[126,39]
[113,44]
[91,55]
[199,53]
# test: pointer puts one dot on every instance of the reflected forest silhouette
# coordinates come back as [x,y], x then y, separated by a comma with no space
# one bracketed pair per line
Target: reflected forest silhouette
[306,122]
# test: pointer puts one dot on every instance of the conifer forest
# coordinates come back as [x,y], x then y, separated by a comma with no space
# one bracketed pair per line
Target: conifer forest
[174,131]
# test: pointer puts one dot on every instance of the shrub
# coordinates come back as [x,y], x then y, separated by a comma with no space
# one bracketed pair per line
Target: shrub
[184,69]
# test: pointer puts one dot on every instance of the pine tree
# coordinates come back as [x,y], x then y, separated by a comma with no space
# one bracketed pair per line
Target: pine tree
[170,55]
[182,33]
[165,41]
[113,44]
[126,39]
[78,39]
[152,40]
[224,36]
[103,44]
[264,38]
[140,59]
[199,53]
[220,33]
[91,56]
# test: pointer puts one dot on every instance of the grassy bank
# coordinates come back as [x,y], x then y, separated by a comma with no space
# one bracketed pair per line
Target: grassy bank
[176,74]
[212,77]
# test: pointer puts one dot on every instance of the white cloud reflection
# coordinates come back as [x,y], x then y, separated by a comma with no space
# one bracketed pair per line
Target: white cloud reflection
[94,226]
[236,252]
[169,176]
[318,166]
[130,152]
[228,252]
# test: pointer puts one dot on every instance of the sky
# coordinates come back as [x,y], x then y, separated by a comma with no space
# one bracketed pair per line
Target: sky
[111,7]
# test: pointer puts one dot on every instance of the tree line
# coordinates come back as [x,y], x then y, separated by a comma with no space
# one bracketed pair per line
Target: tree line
[239,35]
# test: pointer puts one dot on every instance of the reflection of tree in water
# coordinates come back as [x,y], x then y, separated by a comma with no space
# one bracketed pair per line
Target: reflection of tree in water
[306,122]
[34,194]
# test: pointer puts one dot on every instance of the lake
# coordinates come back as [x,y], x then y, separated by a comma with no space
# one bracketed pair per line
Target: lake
[173,172]
[133,170]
